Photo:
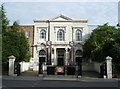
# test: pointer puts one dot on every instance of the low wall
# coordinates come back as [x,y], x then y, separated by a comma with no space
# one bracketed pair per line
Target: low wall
[97,67]
[87,67]
[24,66]
[44,67]
[94,66]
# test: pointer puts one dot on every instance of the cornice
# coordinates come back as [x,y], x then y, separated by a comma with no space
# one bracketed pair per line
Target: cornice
[47,21]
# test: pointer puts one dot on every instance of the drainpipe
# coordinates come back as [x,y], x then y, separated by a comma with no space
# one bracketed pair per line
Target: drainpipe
[49,45]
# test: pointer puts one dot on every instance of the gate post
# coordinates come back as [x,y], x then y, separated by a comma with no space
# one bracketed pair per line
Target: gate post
[109,67]
[11,65]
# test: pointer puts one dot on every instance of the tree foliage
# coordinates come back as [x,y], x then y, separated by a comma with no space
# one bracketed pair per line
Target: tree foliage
[14,41]
[4,19]
[104,41]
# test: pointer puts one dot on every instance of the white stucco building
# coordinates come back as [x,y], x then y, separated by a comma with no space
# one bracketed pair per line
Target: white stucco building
[58,41]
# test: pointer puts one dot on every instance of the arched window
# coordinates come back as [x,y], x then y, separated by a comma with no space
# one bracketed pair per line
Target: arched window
[42,55]
[78,35]
[42,52]
[60,35]
[43,34]
[78,53]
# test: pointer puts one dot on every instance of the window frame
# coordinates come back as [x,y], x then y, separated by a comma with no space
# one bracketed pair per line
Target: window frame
[78,35]
[60,35]
[27,34]
[42,34]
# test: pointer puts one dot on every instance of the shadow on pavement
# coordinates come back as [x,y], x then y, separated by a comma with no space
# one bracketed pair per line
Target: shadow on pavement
[92,74]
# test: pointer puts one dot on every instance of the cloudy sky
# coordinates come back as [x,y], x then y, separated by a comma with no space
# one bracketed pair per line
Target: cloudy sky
[96,12]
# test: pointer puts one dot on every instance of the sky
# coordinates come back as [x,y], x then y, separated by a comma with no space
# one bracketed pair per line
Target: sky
[97,13]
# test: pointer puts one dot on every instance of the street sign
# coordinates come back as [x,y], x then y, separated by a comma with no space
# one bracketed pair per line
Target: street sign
[59,69]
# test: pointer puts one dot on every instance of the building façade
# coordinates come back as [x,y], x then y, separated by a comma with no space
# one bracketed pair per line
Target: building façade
[57,41]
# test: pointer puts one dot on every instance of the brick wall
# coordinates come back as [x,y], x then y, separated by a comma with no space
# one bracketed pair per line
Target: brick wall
[30,29]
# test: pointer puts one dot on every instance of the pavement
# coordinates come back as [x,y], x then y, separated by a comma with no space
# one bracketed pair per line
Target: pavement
[59,81]
[31,79]
[58,77]
[21,77]
[33,75]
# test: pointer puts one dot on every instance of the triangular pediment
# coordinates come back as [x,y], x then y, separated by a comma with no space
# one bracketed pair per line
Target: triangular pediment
[61,18]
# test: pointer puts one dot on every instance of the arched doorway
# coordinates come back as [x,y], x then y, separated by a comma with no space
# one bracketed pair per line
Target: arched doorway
[42,58]
[78,58]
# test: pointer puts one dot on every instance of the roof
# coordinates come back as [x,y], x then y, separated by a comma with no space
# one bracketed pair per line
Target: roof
[60,18]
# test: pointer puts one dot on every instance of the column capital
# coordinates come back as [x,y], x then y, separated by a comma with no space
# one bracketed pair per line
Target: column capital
[108,58]
[11,57]
[67,49]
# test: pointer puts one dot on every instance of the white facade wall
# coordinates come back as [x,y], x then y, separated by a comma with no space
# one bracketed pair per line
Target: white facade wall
[93,66]
[37,41]
[97,67]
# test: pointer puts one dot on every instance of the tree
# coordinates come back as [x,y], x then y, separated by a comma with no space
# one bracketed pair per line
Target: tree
[4,27]
[14,41]
[4,19]
[19,45]
[104,41]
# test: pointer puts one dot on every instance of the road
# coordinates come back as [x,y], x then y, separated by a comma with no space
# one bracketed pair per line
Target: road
[60,83]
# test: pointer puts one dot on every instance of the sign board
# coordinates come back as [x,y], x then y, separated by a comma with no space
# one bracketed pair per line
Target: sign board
[60,69]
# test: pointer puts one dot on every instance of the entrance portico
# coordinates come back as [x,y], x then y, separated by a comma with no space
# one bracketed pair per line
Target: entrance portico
[61,56]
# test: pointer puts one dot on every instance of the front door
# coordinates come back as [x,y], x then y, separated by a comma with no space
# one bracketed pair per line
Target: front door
[60,57]
[60,61]
[79,63]
[41,60]
[42,57]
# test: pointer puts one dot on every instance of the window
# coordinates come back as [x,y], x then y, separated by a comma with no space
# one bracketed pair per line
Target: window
[27,34]
[78,35]
[43,34]
[60,35]
[42,52]
[78,53]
